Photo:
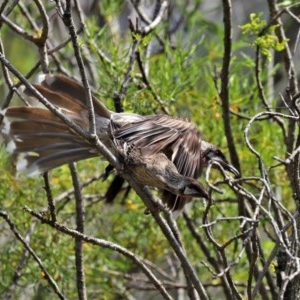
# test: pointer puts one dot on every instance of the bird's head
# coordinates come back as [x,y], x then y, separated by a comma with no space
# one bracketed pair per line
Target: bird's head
[211,154]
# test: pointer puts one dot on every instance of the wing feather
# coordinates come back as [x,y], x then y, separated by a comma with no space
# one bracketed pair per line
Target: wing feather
[177,138]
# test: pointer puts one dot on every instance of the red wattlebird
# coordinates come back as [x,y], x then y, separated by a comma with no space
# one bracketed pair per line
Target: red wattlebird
[158,150]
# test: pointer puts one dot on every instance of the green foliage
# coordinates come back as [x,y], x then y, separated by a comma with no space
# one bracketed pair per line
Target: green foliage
[110,9]
[264,37]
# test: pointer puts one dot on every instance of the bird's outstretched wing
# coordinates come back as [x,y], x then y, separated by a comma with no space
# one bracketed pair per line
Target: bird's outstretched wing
[179,139]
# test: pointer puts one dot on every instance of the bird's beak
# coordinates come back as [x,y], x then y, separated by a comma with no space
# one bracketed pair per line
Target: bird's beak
[226,166]
[195,189]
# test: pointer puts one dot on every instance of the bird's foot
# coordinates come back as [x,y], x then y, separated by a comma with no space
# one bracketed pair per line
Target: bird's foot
[107,172]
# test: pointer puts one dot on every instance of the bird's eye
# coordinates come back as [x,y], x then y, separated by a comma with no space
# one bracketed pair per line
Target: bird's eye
[204,161]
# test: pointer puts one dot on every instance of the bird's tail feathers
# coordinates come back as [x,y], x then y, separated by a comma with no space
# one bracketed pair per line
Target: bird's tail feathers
[39,138]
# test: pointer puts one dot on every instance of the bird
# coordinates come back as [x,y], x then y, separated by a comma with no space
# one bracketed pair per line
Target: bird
[159,151]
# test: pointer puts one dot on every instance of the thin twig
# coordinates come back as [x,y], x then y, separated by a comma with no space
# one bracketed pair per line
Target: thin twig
[80,274]
[51,205]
